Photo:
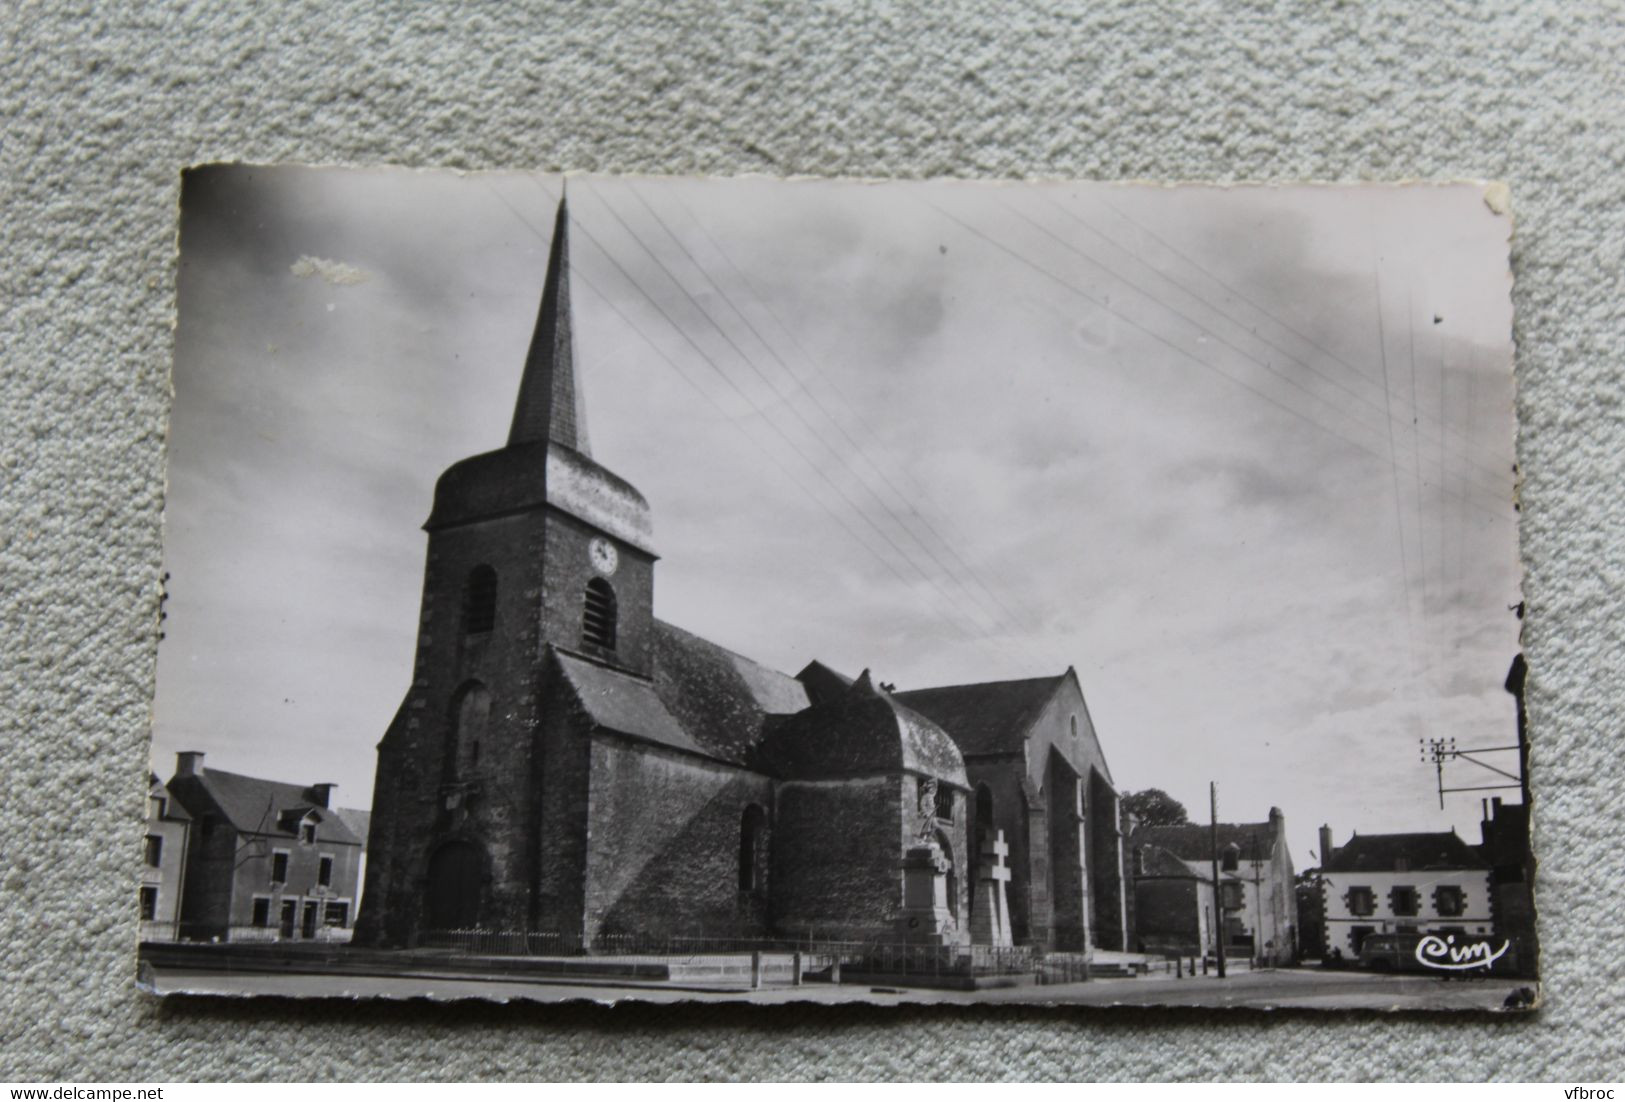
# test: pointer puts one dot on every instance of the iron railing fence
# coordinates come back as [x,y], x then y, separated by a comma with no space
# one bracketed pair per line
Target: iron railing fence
[816,954]
[182,932]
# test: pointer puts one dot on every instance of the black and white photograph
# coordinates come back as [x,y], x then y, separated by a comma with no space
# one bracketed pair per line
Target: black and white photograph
[755,590]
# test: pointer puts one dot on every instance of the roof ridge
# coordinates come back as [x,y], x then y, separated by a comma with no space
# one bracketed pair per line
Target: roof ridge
[983,684]
[726,650]
[213,772]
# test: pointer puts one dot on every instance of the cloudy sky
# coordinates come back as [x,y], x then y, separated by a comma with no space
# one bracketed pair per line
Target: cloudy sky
[1242,457]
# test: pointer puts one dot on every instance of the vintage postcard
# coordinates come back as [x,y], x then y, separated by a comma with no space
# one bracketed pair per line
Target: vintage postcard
[755,590]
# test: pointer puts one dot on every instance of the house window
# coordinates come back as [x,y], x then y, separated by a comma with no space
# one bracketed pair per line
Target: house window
[262,911]
[160,807]
[480,601]
[1231,858]
[1402,900]
[154,851]
[279,867]
[307,833]
[1230,895]
[1449,901]
[944,803]
[336,914]
[324,873]
[1362,901]
[149,904]
[598,615]
[1357,936]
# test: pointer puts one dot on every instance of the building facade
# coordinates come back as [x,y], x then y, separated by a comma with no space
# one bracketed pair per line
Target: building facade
[267,861]
[1173,904]
[567,764]
[1258,908]
[163,863]
[1401,883]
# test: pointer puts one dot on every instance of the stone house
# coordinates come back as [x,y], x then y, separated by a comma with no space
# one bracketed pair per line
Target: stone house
[566,764]
[267,861]
[1401,883]
[1173,902]
[163,863]
[1257,896]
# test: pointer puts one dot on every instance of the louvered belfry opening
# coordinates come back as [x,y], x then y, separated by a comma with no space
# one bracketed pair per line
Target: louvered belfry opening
[598,615]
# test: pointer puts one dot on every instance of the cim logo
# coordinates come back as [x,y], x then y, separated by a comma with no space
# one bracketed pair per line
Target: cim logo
[1434,951]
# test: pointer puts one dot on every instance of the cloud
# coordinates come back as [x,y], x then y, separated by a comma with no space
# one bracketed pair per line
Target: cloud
[1245,593]
[335,272]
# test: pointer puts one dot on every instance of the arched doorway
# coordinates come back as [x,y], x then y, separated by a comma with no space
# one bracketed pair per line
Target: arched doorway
[947,849]
[456,880]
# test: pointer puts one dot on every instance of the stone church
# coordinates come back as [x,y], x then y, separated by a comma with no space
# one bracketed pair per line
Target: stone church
[565,763]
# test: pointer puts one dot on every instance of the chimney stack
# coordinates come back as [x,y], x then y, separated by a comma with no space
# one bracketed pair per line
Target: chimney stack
[322,794]
[1327,850]
[189,763]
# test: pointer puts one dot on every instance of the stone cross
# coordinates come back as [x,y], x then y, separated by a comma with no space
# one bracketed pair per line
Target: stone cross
[990,921]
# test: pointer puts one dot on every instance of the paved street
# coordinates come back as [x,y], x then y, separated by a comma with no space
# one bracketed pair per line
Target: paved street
[1285,988]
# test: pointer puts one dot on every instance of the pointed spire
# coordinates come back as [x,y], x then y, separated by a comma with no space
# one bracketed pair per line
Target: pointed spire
[549,406]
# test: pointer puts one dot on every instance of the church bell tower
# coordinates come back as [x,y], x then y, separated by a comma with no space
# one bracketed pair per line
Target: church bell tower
[530,547]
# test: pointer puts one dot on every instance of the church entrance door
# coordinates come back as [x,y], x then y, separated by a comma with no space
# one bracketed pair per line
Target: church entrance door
[455,874]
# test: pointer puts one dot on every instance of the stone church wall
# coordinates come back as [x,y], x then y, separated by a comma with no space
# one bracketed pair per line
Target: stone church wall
[837,855]
[664,837]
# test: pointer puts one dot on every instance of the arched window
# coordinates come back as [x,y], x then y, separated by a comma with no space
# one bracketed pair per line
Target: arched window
[1231,857]
[480,601]
[1074,726]
[598,615]
[470,710]
[947,849]
[751,828]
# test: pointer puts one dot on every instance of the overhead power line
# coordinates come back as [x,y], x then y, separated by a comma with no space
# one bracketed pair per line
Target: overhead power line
[908,584]
[816,433]
[904,499]
[1176,348]
[1464,440]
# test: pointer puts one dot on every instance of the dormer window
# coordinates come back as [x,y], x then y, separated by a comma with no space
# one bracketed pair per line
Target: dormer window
[480,601]
[598,615]
[1231,857]
[307,832]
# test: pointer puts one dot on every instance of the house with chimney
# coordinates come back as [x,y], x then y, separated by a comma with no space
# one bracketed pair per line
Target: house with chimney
[1257,912]
[267,860]
[163,863]
[1420,883]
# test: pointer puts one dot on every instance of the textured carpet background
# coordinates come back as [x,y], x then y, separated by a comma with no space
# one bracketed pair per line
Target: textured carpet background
[104,103]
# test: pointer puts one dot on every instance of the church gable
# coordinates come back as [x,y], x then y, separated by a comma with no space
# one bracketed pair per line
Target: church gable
[992,717]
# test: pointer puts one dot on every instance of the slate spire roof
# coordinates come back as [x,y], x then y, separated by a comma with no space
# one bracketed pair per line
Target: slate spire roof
[549,405]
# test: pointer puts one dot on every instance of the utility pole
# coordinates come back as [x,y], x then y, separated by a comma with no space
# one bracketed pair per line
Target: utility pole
[1218,900]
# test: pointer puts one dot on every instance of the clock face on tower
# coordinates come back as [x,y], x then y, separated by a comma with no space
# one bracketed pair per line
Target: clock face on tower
[603,555]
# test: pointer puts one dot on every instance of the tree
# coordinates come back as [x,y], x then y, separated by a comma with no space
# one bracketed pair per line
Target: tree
[1154,807]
